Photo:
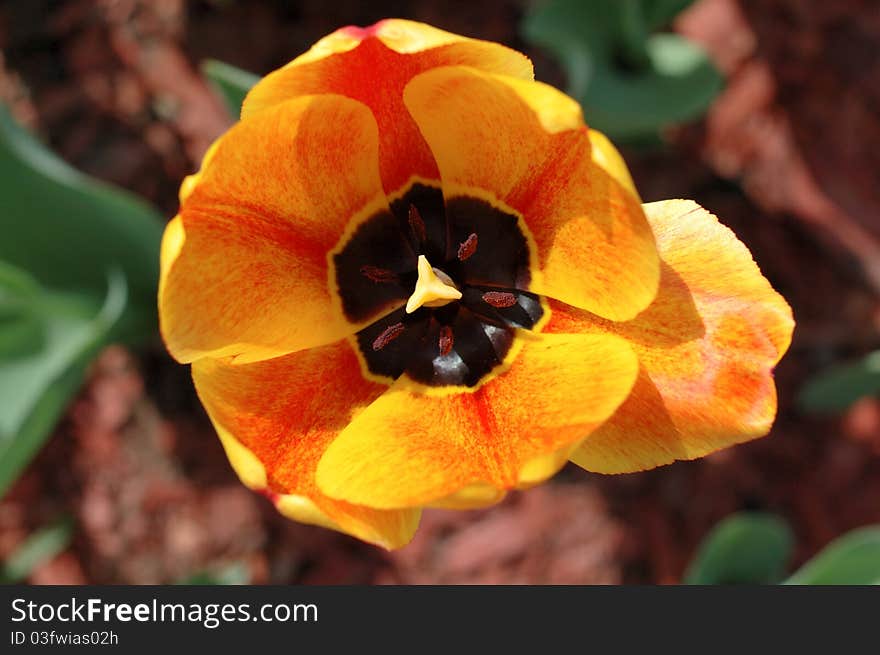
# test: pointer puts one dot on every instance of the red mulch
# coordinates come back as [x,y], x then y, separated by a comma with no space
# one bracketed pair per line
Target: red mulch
[787,156]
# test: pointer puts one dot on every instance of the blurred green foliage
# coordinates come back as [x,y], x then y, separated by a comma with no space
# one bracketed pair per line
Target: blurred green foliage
[236,573]
[630,79]
[744,548]
[232,83]
[834,390]
[79,266]
[37,549]
[754,548]
[851,559]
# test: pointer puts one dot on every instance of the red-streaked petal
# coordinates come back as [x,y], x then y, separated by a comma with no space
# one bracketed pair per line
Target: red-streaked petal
[373,65]
[245,268]
[706,346]
[525,145]
[276,418]
[410,448]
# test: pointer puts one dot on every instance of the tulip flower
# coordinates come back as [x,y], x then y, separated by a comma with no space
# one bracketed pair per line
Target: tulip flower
[411,276]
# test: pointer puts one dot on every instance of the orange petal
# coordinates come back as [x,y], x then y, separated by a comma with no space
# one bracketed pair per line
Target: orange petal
[411,448]
[526,145]
[275,419]
[245,265]
[707,347]
[352,59]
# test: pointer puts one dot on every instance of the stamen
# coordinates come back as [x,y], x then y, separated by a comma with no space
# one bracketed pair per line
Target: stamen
[500,299]
[446,340]
[468,247]
[388,335]
[377,274]
[416,224]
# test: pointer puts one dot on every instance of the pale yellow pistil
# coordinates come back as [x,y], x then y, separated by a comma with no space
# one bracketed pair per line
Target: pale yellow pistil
[433,288]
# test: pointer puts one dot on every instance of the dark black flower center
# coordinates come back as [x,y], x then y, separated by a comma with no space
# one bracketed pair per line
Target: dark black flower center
[473,246]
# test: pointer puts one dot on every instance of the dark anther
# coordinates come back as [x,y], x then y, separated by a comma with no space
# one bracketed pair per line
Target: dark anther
[388,335]
[500,298]
[417,224]
[446,340]
[377,274]
[468,247]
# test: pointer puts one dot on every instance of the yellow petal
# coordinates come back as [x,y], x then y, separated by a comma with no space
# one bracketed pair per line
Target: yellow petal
[607,157]
[409,449]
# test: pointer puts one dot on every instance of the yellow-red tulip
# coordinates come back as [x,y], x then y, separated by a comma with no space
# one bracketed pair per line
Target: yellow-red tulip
[411,276]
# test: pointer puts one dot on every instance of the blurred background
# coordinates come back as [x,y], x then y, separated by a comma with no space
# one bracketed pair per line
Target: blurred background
[765,112]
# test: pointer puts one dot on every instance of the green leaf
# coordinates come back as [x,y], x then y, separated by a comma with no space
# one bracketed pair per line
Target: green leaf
[36,383]
[853,559]
[659,13]
[231,574]
[834,390]
[39,548]
[232,83]
[20,331]
[629,90]
[67,231]
[746,548]
[78,270]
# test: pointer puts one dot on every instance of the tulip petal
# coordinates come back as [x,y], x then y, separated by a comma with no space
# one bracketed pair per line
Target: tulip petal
[606,156]
[245,269]
[706,346]
[526,144]
[275,440]
[475,496]
[352,59]
[412,447]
